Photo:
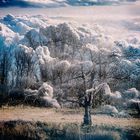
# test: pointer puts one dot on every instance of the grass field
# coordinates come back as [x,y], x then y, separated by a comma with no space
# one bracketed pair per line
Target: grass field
[24,122]
[62,116]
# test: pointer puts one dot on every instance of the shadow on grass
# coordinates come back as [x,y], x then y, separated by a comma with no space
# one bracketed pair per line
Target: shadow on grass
[15,130]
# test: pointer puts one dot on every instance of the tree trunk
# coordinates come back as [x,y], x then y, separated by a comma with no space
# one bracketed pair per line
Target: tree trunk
[87,106]
[87,116]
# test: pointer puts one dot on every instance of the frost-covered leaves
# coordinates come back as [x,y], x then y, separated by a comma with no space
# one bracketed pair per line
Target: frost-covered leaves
[61,54]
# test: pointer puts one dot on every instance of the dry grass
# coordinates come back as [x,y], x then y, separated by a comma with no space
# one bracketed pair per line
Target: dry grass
[63,116]
[60,124]
[62,131]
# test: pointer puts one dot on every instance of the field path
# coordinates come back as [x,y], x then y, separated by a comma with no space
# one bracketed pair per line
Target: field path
[62,116]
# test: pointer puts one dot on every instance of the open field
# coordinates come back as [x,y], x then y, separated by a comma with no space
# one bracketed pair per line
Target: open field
[63,116]
[53,124]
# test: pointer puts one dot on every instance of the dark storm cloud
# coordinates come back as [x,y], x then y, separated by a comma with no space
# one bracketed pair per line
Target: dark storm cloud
[20,3]
[28,3]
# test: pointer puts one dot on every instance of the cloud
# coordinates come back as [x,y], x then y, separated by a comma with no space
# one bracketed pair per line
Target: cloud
[20,3]
[57,3]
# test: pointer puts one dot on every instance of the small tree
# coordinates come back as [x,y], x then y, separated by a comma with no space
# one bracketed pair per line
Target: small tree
[85,95]
[87,83]
[89,98]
